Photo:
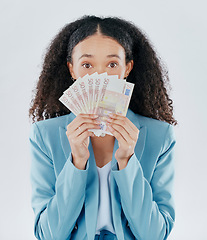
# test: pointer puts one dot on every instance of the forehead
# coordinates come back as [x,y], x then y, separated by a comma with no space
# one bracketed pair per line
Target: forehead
[98,44]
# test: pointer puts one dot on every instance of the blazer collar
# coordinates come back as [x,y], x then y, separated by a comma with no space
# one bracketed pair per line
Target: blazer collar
[92,186]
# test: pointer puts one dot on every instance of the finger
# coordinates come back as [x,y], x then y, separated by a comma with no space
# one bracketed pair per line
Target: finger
[124,123]
[87,115]
[74,139]
[122,131]
[84,127]
[80,119]
[82,137]
[127,144]
[130,140]
[117,135]
[120,117]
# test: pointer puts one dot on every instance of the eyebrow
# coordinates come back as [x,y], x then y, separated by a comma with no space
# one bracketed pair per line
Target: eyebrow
[91,56]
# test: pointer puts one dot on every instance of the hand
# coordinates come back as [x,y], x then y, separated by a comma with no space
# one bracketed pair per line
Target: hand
[127,135]
[78,137]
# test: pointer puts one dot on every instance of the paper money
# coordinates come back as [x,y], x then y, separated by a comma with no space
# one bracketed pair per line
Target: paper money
[100,94]
[81,82]
[69,94]
[109,98]
[68,104]
[98,85]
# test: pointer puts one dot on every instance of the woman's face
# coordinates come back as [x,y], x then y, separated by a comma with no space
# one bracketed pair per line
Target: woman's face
[99,53]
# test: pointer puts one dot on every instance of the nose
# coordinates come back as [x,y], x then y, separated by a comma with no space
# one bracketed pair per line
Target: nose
[100,70]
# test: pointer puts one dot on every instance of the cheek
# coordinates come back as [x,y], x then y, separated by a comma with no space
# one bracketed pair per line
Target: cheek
[119,72]
[121,76]
[79,71]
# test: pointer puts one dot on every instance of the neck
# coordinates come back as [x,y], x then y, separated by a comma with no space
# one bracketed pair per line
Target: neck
[103,144]
[103,149]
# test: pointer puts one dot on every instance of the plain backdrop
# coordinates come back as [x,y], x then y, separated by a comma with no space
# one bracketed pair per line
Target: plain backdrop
[177,29]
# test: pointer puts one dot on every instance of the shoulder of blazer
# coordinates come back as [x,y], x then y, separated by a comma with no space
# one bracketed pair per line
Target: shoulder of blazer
[46,131]
[56,121]
[50,127]
[159,134]
[154,126]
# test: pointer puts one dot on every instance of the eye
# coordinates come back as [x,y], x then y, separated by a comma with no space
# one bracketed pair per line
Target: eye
[86,65]
[113,64]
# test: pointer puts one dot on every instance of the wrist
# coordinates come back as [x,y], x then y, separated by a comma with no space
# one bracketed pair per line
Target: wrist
[79,163]
[122,164]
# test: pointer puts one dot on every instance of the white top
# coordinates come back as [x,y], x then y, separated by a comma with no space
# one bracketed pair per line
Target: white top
[104,220]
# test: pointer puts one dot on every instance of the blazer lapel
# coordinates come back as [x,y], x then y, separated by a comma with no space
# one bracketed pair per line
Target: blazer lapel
[92,185]
[115,196]
[115,200]
[64,141]
[63,137]
[92,196]
[139,148]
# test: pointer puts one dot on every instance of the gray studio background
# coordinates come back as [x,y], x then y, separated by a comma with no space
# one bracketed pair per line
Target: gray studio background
[178,32]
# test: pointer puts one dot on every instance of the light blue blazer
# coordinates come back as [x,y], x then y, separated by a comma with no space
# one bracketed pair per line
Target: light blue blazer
[65,198]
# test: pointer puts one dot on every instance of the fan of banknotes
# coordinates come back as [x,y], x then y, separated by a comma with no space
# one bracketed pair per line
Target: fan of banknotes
[99,94]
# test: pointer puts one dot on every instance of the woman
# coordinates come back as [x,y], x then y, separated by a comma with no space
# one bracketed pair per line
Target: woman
[70,197]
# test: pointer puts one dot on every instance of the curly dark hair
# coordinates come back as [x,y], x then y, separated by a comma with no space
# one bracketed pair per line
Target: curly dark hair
[149,98]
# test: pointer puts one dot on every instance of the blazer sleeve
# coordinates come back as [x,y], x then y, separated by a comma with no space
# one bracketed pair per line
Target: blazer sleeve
[149,206]
[56,202]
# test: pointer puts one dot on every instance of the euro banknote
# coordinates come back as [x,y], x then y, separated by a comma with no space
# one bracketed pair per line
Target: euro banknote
[99,94]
